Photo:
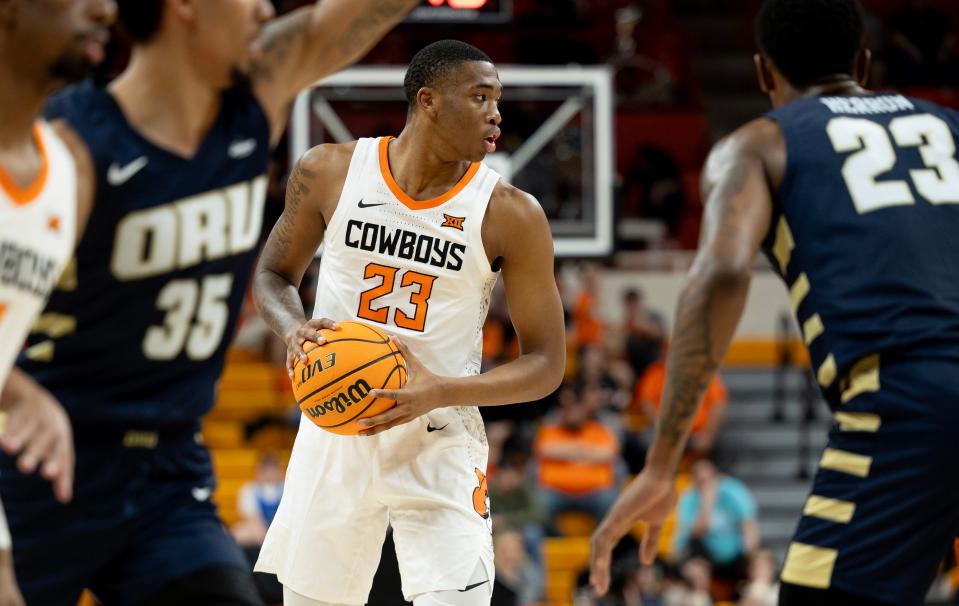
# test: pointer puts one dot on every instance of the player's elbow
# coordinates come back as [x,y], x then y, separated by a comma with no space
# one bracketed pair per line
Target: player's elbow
[553,372]
[542,374]
[727,271]
[264,278]
[555,376]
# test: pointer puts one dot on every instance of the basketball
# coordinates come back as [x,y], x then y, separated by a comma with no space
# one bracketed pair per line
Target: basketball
[333,388]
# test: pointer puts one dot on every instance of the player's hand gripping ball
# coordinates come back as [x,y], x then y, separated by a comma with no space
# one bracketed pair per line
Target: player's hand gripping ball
[333,387]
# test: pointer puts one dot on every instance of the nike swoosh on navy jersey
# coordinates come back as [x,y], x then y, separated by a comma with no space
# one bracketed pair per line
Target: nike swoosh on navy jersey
[118,175]
[362,205]
[241,149]
[201,493]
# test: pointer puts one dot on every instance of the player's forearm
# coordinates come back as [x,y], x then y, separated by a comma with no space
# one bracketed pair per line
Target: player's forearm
[278,302]
[291,246]
[530,377]
[708,311]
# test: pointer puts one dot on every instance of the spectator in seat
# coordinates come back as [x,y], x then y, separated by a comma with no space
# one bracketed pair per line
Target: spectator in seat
[587,323]
[519,582]
[612,376]
[517,503]
[697,573]
[716,520]
[643,331]
[577,457]
[258,501]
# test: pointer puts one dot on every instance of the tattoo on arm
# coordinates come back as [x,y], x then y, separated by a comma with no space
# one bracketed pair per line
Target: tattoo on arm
[360,32]
[296,190]
[289,41]
[275,294]
[283,37]
[690,366]
[704,322]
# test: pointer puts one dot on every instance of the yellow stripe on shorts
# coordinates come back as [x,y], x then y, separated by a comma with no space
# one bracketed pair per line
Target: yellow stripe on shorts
[809,566]
[845,462]
[858,421]
[833,510]
[862,378]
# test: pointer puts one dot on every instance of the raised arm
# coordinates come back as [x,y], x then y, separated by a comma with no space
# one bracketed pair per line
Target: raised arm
[311,195]
[740,175]
[313,42]
[516,230]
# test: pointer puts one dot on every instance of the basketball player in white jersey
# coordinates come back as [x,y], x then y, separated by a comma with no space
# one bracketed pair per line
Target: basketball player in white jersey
[44,44]
[415,231]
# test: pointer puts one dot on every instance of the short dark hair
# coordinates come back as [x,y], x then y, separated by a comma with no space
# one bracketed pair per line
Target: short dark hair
[811,39]
[436,61]
[140,19]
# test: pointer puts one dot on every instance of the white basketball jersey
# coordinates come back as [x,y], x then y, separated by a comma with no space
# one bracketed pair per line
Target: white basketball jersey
[415,269]
[37,232]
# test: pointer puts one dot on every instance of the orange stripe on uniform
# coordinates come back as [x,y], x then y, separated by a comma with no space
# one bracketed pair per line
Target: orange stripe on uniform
[403,197]
[22,196]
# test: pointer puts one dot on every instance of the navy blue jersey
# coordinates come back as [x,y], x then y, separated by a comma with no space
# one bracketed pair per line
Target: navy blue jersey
[865,231]
[138,332]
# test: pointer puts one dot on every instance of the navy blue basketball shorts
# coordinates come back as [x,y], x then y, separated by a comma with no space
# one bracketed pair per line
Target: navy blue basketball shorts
[141,517]
[884,506]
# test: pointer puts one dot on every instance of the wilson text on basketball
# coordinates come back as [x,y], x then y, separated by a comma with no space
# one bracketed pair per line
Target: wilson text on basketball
[349,396]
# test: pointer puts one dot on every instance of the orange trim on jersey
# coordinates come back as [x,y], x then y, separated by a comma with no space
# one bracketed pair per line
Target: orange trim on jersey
[22,196]
[403,197]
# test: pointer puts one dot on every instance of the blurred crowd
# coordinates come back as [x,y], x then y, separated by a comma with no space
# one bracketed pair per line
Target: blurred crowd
[557,466]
